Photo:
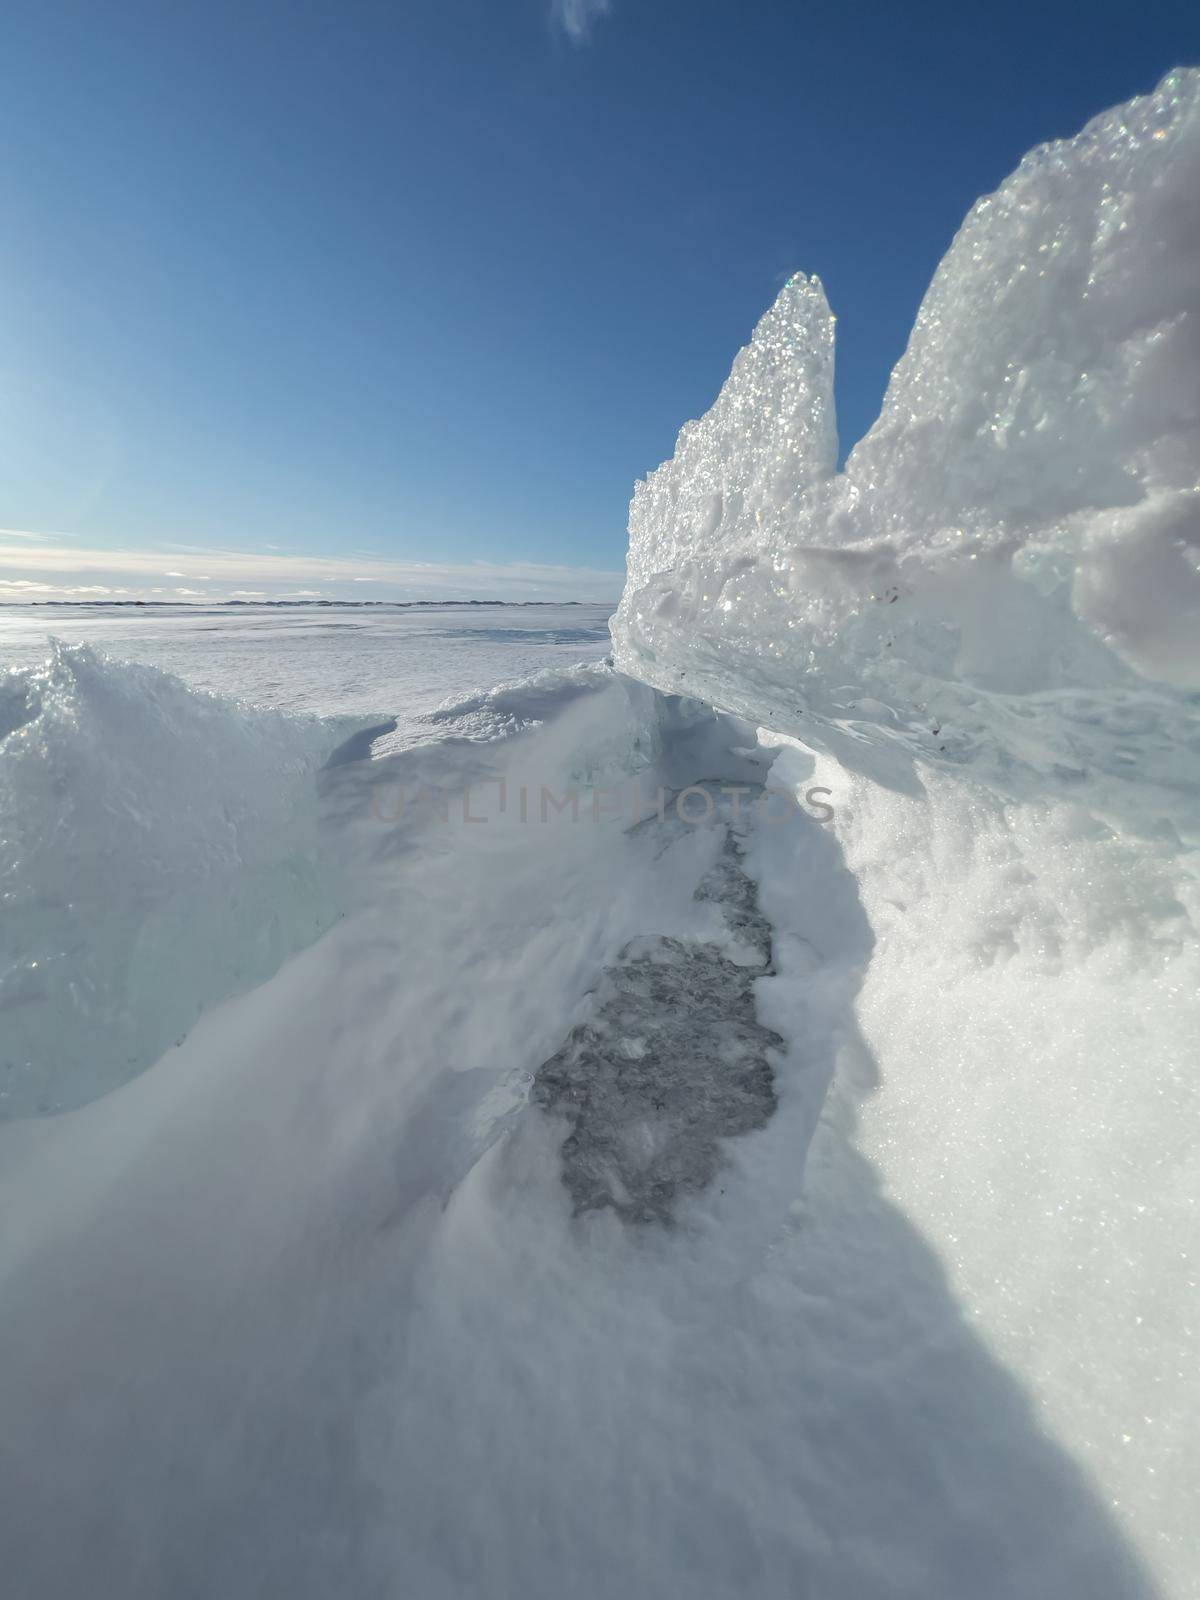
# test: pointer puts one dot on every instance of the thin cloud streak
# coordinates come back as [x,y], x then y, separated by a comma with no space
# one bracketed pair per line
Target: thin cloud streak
[576,18]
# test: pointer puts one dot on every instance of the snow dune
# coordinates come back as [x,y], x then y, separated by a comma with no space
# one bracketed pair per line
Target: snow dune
[417,1270]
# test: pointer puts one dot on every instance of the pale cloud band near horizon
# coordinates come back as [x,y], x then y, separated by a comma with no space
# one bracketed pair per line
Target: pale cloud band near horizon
[42,567]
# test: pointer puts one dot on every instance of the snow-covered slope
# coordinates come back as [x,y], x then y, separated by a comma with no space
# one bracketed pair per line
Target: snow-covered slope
[157,851]
[309,1307]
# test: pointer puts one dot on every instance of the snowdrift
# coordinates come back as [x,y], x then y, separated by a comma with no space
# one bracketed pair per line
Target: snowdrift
[158,851]
[443,1264]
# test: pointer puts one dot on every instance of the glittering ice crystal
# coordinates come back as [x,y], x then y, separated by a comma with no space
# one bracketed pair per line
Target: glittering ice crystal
[1023,518]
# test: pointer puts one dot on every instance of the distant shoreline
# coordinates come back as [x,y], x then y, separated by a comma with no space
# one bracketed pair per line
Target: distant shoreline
[357,605]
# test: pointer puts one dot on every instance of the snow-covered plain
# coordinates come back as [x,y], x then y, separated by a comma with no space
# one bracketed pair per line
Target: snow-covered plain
[325,660]
[450,1261]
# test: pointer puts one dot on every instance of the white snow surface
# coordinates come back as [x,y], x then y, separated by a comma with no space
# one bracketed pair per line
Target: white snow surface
[370,661]
[159,849]
[304,1308]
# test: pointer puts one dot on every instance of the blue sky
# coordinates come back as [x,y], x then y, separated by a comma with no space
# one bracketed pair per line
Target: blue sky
[391,299]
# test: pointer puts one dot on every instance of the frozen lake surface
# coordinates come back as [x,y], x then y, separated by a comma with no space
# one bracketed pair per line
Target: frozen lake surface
[397,661]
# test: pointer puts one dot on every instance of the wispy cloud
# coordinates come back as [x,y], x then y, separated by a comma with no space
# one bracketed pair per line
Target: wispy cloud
[576,18]
[56,571]
[28,589]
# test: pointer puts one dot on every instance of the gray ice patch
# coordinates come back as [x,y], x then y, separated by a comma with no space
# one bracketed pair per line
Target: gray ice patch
[671,1061]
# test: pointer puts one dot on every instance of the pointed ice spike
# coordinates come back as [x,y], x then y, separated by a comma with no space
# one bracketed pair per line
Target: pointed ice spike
[770,433]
